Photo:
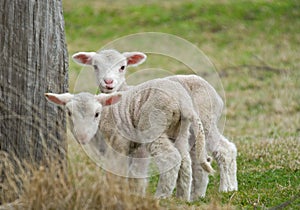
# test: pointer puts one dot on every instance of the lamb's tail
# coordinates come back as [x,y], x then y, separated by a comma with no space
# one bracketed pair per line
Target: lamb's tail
[205,160]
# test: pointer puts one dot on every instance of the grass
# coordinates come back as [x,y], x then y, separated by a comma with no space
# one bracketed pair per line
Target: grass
[255,48]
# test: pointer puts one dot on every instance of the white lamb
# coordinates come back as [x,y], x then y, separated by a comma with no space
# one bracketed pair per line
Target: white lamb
[110,68]
[157,115]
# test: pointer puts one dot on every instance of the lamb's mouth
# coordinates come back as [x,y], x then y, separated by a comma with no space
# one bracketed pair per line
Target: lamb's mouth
[106,89]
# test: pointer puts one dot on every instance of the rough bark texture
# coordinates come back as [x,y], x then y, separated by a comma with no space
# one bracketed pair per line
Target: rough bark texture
[33,60]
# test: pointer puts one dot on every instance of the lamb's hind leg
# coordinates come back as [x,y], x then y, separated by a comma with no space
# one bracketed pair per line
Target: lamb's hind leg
[225,153]
[200,177]
[168,161]
[184,181]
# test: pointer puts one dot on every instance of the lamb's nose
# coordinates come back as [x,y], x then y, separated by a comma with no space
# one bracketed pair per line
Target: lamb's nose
[81,138]
[108,81]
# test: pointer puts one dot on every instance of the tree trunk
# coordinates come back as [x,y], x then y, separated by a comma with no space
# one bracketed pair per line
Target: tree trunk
[33,60]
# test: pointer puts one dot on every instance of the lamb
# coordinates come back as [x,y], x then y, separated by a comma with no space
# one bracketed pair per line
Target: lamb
[110,68]
[157,115]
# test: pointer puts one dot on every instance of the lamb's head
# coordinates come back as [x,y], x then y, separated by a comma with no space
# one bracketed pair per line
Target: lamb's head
[84,111]
[110,66]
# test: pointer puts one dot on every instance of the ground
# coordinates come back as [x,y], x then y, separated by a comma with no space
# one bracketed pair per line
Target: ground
[254,47]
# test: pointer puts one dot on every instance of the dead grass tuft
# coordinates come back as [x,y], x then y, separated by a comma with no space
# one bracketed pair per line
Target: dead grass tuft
[52,188]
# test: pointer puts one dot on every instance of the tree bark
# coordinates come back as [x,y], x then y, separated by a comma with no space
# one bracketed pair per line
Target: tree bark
[33,60]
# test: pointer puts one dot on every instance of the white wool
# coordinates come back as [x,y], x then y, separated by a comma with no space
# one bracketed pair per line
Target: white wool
[209,106]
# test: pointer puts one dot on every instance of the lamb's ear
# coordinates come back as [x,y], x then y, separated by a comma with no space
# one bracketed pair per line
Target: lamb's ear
[60,99]
[84,58]
[108,99]
[135,58]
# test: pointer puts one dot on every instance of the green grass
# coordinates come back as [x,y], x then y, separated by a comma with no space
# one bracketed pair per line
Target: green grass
[255,47]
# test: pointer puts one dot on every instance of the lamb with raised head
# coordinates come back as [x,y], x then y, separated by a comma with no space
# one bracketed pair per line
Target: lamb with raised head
[157,115]
[110,68]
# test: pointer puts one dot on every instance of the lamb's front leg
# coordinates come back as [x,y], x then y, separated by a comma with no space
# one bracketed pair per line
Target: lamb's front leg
[138,171]
[168,161]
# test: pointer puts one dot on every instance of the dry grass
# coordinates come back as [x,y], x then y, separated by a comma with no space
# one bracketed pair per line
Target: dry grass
[262,105]
[84,186]
[270,154]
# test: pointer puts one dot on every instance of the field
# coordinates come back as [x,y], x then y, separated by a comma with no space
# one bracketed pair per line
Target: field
[254,47]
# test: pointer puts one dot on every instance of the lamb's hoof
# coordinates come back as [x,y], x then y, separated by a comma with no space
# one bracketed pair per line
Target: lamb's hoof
[209,159]
[228,189]
[197,197]
[184,198]
[161,196]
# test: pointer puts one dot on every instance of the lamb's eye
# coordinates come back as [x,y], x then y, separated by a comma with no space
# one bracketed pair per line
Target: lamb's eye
[95,67]
[69,113]
[122,68]
[97,115]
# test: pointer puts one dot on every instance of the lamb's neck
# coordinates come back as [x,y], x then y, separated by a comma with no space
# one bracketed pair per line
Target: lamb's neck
[115,118]
[125,87]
